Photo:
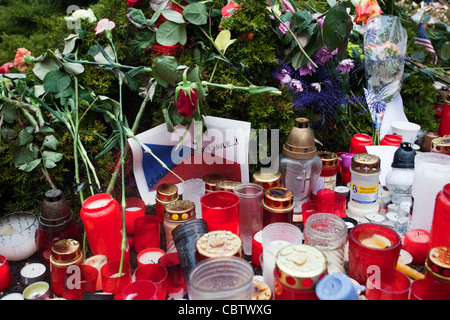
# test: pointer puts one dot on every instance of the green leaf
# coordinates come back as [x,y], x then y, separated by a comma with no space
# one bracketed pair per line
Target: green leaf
[73,68]
[44,66]
[196,13]
[173,16]
[30,166]
[301,18]
[143,41]
[25,155]
[50,142]
[164,69]
[56,81]
[336,27]
[69,43]
[170,33]
[137,16]
[24,137]
[52,156]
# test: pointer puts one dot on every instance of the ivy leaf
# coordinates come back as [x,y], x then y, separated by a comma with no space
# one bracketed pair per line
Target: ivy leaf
[26,157]
[50,158]
[164,69]
[44,66]
[50,142]
[170,33]
[56,81]
[24,137]
[196,13]
[30,166]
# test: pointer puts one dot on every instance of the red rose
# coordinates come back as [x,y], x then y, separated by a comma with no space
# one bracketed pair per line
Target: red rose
[186,103]
[5,68]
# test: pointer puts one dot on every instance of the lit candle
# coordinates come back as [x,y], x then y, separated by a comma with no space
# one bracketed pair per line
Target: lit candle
[135,207]
[102,220]
[417,243]
[376,241]
[32,272]
[97,262]
[149,256]
[5,274]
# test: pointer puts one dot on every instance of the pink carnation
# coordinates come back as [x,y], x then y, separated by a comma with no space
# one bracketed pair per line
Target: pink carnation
[103,25]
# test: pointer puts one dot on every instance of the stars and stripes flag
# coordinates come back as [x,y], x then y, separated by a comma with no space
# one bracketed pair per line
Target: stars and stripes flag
[422,39]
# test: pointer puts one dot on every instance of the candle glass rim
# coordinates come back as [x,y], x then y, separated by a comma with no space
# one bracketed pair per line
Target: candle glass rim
[135,202]
[399,276]
[147,217]
[3,260]
[94,197]
[436,287]
[238,190]
[153,265]
[330,219]
[24,213]
[165,256]
[146,250]
[140,282]
[352,238]
[220,192]
[126,267]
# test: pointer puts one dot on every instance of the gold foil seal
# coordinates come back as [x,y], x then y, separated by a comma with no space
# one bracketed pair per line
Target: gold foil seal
[438,262]
[278,199]
[329,159]
[219,243]
[66,251]
[300,267]
[227,185]
[365,163]
[267,180]
[179,211]
[211,180]
[441,144]
[166,192]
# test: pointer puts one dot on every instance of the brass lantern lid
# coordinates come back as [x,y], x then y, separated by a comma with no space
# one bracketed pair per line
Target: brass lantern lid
[179,211]
[329,159]
[300,142]
[438,262]
[278,199]
[211,180]
[66,252]
[166,192]
[365,163]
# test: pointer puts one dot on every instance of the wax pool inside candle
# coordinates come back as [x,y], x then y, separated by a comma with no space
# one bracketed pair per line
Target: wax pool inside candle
[33,270]
[150,257]
[133,208]
[98,203]
[375,241]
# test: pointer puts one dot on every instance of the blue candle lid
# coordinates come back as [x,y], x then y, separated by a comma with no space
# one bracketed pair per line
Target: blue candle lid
[338,286]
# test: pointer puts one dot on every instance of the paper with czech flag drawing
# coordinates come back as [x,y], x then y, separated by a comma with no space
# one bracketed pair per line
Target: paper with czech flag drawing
[224,149]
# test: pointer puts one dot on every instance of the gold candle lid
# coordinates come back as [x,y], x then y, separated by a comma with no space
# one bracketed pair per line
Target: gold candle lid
[227,185]
[267,180]
[300,143]
[219,243]
[441,144]
[329,159]
[278,199]
[166,192]
[299,267]
[66,251]
[211,180]
[438,262]
[179,211]
[366,163]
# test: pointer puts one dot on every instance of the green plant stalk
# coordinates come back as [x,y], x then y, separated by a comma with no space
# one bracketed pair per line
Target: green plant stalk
[233,87]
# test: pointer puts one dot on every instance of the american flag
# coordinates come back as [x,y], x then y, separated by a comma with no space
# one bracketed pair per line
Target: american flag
[422,39]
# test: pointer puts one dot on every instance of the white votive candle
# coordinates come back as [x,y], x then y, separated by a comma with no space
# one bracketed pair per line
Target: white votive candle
[32,272]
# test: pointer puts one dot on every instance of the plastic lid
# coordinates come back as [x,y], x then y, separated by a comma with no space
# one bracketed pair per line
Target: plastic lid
[404,156]
[337,286]
[300,143]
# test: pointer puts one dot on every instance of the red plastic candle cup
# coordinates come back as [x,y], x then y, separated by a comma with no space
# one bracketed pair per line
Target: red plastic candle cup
[175,280]
[428,289]
[331,202]
[257,248]
[112,281]
[387,284]
[157,274]
[417,243]
[102,220]
[135,208]
[149,256]
[391,140]
[79,279]
[140,290]
[97,262]
[439,234]
[444,123]
[220,210]
[308,209]
[147,232]
[359,142]
[5,274]
[371,245]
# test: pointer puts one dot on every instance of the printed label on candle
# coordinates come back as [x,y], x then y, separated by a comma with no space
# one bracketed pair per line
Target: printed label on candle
[364,195]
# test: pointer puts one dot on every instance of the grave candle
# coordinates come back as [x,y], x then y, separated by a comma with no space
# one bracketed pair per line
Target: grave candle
[5,274]
[417,243]
[32,272]
[135,208]
[97,262]
[149,256]
[102,220]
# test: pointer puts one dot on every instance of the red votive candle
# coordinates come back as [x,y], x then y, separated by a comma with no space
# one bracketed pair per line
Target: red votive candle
[157,274]
[371,245]
[5,274]
[135,208]
[417,243]
[175,280]
[359,142]
[387,284]
[220,210]
[257,248]
[97,262]
[391,140]
[112,281]
[147,232]
[102,220]
[140,290]
[428,289]
[149,256]
[80,279]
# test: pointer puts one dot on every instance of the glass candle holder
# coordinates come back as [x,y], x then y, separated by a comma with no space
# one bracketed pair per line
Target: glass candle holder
[257,248]
[78,280]
[428,289]
[328,175]
[359,142]
[220,209]
[327,233]
[387,283]
[149,256]
[102,219]
[278,206]
[157,274]
[250,209]
[17,235]
[97,262]
[437,265]
[135,208]
[371,245]
[37,291]
[112,281]
[193,190]
[5,274]
[140,290]
[147,232]
[274,237]
[228,278]
[175,280]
